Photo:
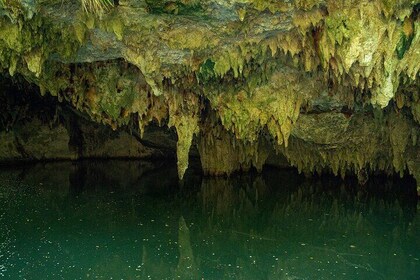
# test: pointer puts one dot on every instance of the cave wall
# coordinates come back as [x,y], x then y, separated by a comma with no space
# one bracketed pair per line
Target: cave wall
[35,128]
[329,85]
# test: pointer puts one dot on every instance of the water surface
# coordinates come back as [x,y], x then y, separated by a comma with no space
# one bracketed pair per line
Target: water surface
[129,220]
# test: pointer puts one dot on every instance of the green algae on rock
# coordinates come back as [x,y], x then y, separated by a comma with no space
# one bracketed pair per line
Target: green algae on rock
[332,86]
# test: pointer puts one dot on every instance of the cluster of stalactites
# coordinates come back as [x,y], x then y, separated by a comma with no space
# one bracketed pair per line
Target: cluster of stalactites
[356,144]
[221,153]
[253,85]
[238,130]
[369,45]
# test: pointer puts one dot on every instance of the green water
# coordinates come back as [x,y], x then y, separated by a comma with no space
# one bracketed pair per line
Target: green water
[128,220]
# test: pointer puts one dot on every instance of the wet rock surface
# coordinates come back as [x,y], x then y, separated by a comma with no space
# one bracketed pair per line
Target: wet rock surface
[328,86]
[33,128]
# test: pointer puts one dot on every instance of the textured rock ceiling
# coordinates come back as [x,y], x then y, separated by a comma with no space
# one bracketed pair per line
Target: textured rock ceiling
[331,85]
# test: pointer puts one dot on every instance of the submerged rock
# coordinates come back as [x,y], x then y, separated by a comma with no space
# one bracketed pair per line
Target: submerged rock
[330,86]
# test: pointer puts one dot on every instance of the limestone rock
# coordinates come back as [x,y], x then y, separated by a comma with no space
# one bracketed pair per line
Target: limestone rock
[331,86]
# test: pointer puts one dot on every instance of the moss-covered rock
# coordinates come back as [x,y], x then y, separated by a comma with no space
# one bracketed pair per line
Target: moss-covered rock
[330,85]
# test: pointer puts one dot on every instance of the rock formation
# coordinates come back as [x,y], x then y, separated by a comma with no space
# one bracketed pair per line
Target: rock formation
[332,86]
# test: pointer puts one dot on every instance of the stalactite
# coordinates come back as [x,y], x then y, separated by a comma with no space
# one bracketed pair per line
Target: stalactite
[184,116]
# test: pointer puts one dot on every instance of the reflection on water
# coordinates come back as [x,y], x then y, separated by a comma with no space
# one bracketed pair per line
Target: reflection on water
[129,220]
